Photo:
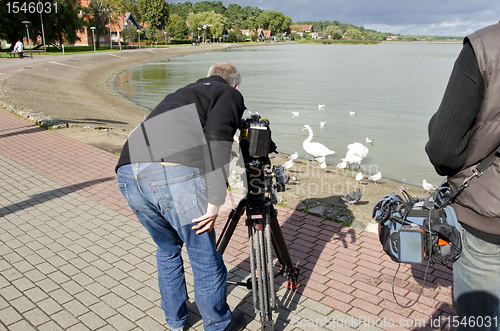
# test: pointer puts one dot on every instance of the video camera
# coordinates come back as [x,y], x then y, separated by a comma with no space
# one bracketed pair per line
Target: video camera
[412,230]
[256,145]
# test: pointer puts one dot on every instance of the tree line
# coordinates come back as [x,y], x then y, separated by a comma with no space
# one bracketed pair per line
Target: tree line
[206,19]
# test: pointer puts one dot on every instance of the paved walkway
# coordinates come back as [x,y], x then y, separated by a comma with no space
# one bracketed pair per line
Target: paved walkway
[9,65]
[73,256]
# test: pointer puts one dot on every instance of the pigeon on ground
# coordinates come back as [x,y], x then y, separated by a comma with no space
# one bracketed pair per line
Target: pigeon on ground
[352,197]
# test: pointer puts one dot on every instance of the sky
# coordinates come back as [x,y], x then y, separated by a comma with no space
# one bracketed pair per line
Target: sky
[405,17]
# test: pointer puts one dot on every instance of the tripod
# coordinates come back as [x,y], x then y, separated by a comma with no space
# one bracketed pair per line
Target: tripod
[263,231]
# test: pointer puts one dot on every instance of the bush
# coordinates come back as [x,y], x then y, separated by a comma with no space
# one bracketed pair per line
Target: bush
[180,41]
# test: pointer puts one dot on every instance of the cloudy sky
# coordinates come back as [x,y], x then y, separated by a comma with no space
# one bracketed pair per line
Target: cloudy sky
[406,17]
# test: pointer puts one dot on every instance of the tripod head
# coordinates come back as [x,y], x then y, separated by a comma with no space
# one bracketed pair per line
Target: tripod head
[256,145]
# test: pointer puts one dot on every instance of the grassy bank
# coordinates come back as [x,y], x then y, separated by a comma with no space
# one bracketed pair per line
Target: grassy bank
[341,42]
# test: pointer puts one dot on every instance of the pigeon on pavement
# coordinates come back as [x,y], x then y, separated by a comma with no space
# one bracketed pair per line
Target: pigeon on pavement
[352,197]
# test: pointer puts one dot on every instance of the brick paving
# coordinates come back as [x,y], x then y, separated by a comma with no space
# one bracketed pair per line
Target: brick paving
[73,256]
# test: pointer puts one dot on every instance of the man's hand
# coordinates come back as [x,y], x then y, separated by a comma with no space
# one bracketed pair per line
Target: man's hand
[207,221]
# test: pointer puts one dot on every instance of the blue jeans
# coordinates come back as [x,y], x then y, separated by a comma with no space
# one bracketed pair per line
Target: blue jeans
[166,199]
[476,280]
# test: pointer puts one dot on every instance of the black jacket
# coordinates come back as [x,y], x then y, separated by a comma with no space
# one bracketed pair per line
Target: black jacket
[194,126]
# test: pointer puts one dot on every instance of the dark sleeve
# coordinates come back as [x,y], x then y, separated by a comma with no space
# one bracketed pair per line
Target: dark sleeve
[449,128]
[222,121]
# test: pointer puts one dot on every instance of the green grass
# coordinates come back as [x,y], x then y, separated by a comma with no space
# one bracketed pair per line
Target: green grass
[69,50]
[341,42]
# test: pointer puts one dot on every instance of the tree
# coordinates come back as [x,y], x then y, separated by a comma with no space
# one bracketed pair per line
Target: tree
[130,33]
[214,24]
[334,31]
[172,20]
[274,21]
[354,34]
[154,13]
[250,23]
[251,11]
[60,26]
[181,9]
[97,15]
[179,30]
[235,36]
[215,6]
[153,34]
[234,15]
[133,7]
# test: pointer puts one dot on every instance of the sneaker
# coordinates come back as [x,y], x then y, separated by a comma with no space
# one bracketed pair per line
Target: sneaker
[237,322]
[176,329]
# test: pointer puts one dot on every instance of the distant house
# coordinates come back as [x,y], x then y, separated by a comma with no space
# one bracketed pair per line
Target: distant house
[392,37]
[113,31]
[260,32]
[317,35]
[301,29]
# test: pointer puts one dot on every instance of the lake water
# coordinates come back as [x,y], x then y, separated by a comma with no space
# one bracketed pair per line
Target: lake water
[394,88]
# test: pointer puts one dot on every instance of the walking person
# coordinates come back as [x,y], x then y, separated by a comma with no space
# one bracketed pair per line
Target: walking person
[172,173]
[463,132]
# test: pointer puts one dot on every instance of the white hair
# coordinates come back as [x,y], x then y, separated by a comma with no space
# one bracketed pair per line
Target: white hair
[227,71]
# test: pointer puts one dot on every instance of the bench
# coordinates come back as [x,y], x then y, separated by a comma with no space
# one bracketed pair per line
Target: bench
[26,52]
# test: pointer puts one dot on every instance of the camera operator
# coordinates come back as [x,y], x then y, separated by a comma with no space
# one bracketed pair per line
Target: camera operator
[462,133]
[172,173]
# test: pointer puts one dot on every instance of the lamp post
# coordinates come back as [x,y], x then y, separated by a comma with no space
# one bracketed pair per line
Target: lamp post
[93,36]
[139,35]
[43,34]
[26,23]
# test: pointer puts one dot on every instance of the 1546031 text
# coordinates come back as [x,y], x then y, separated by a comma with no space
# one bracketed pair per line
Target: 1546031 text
[40,7]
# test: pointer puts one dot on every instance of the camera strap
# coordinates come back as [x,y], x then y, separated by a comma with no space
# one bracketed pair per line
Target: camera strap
[477,171]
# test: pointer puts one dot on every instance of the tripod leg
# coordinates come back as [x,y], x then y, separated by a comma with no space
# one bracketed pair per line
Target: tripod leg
[282,253]
[272,293]
[252,265]
[233,219]
[263,293]
[259,291]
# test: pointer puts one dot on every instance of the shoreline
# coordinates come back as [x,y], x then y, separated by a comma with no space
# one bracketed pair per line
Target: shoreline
[76,94]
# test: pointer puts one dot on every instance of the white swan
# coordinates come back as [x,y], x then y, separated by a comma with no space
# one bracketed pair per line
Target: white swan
[322,124]
[355,153]
[314,148]
[320,106]
[352,158]
[358,149]
[295,113]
